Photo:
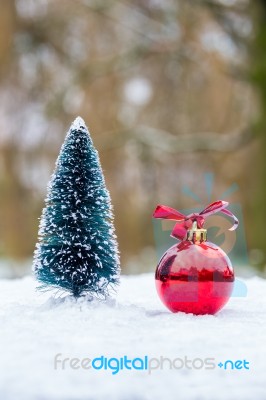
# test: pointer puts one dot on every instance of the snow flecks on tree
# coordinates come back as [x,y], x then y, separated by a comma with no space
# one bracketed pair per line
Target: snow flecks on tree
[77,249]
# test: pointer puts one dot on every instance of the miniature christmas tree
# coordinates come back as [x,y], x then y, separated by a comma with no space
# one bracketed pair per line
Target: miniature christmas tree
[77,248]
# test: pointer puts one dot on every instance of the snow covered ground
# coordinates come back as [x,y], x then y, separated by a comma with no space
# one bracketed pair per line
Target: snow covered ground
[35,328]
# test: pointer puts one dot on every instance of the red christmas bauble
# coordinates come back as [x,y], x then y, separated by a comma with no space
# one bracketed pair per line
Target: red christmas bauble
[194,277]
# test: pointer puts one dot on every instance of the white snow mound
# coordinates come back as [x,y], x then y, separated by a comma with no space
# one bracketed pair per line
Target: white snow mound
[35,328]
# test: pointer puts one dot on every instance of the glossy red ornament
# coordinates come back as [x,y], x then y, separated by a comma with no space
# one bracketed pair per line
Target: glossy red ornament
[194,276]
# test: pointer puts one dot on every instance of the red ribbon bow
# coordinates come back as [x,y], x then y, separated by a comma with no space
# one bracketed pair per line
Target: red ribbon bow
[186,221]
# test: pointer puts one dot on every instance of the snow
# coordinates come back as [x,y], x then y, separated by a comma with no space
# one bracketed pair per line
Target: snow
[77,124]
[138,91]
[35,328]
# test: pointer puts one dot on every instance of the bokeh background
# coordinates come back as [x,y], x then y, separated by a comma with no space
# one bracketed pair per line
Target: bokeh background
[170,89]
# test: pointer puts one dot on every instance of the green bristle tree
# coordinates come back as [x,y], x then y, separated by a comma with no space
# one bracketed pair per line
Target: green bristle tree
[77,249]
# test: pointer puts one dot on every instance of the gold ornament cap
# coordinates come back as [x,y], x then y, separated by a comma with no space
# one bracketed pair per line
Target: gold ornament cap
[196,234]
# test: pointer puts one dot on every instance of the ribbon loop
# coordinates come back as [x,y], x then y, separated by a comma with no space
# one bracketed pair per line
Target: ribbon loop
[185,221]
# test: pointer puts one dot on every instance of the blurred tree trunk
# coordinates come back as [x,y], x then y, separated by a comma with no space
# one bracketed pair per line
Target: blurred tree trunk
[16,209]
[8,26]
[258,77]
